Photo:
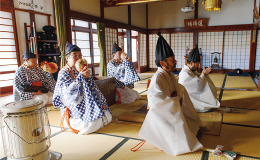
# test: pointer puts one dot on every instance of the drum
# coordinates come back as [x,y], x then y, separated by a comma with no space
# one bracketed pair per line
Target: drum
[25,130]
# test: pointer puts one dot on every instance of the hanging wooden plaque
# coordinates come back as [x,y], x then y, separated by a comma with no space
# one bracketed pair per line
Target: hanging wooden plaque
[195,23]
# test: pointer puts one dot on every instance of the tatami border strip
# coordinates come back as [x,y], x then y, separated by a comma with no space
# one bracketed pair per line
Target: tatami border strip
[205,155]
[108,154]
[233,124]
[143,91]
[222,90]
[248,156]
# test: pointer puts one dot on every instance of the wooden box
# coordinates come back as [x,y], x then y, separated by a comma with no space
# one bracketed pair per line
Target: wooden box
[107,87]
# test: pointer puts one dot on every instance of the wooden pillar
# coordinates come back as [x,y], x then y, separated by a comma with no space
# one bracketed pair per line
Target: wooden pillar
[68,25]
[253,49]
[196,10]
[129,34]
[101,9]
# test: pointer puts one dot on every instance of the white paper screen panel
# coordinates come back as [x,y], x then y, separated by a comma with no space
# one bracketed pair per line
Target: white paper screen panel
[111,38]
[152,46]
[237,49]
[179,43]
[257,58]
[143,58]
[210,42]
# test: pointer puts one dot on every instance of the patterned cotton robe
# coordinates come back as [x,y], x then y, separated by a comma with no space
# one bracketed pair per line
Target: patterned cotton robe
[36,74]
[81,96]
[124,73]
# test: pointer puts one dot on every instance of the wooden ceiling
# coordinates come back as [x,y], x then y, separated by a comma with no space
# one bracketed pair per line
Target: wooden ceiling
[113,3]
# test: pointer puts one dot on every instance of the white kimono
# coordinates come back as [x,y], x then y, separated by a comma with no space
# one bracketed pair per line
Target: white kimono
[201,89]
[168,125]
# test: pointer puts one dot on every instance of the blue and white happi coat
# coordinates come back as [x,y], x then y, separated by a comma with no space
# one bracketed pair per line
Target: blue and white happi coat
[81,96]
[124,73]
[36,74]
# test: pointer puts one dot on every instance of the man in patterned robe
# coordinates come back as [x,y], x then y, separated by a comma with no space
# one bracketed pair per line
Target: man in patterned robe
[29,74]
[78,97]
[125,75]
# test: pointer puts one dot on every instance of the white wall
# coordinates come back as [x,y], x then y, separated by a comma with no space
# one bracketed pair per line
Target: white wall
[138,15]
[167,14]
[24,17]
[236,12]
[91,7]
[119,14]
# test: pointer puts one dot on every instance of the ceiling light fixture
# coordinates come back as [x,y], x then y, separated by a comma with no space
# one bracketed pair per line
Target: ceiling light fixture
[187,8]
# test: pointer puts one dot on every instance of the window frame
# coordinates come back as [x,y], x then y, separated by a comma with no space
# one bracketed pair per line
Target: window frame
[91,31]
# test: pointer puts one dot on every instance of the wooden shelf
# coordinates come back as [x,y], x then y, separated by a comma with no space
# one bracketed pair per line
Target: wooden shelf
[47,41]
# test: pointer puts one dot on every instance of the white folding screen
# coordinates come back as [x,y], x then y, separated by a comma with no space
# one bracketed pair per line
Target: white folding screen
[179,44]
[152,46]
[237,49]
[143,58]
[111,38]
[257,58]
[210,42]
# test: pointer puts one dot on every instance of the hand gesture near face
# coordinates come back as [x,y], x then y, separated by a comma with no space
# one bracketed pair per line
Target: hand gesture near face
[206,71]
[85,72]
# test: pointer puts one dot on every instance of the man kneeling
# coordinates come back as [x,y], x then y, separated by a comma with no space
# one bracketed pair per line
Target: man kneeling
[201,89]
[78,97]
[171,123]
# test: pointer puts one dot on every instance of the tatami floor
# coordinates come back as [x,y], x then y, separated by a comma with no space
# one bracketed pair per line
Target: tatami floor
[239,132]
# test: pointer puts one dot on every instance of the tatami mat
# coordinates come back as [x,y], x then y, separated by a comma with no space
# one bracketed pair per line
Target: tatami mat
[222,157]
[242,140]
[130,130]
[148,152]
[241,99]
[217,78]
[240,82]
[244,117]
[54,118]
[76,147]
[146,75]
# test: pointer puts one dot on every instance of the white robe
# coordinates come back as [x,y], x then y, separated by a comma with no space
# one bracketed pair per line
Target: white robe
[201,89]
[168,125]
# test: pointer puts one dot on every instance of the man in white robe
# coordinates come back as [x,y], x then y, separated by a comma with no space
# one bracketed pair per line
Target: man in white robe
[79,98]
[171,123]
[200,88]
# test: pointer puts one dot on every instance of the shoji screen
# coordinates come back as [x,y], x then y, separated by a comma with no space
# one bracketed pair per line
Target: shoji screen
[8,58]
[237,49]
[143,58]
[210,42]
[152,46]
[179,43]
[257,58]
[111,38]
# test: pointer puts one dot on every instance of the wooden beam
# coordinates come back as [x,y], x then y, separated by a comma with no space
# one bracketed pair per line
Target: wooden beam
[129,15]
[114,3]
[109,23]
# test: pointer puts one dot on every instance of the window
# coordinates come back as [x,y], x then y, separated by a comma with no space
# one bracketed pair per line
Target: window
[84,35]
[179,44]
[134,48]
[8,58]
[210,42]
[143,58]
